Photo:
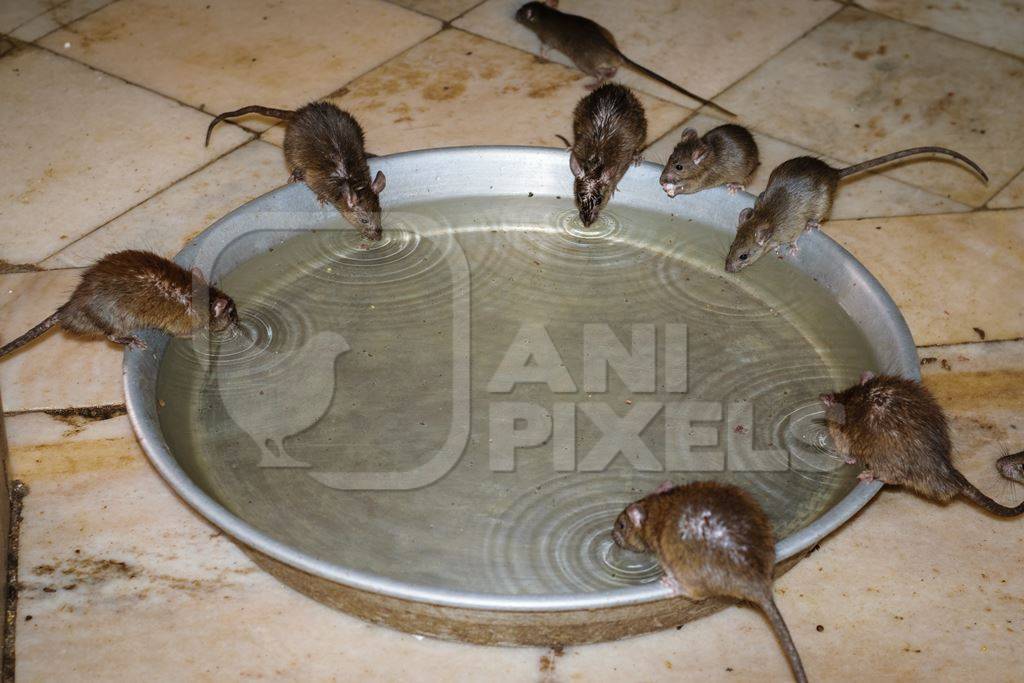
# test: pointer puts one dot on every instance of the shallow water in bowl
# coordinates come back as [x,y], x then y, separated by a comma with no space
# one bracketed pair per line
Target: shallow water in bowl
[368,412]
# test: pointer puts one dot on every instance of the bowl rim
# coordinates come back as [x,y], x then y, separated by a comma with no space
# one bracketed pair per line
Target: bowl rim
[140,400]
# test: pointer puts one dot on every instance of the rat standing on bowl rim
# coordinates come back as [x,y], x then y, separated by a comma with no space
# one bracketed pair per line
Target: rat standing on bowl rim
[325,148]
[590,46]
[896,429]
[726,155]
[712,540]
[135,290]
[798,198]
[609,130]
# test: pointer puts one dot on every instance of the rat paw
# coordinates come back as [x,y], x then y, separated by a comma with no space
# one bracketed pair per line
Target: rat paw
[849,460]
[734,187]
[296,176]
[131,342]
[866,475]
[669,581]
[813,225]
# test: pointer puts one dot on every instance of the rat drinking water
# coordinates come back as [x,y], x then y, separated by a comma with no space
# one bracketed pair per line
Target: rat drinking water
[609,129]
[726,155]
[798,198]
[135,290]
[896,429]
[590,46]
[712,540]
[325,148]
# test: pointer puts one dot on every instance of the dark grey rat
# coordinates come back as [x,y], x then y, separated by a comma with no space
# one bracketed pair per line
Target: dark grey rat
[609,130]
[590,46]
[726,155]
[135,290]
[896,429]
[325,148]
[712,540]
[798,198]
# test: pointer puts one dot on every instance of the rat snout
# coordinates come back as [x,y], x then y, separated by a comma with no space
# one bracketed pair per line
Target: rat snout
[827,399]
[669,188]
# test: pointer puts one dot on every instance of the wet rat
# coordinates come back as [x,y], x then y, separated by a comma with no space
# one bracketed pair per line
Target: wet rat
[798,198]
[590,46]
[325,148]
[135,290]
[1012,467]
[711,539]
[896,429]
[609,129]
[726,155]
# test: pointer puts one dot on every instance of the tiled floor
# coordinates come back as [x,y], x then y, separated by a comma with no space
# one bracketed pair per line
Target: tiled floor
[102,119]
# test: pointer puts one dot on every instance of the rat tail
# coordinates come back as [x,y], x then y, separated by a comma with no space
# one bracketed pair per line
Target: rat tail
[767,605]
[678,88]
[878,161]
[33,333]
[568,145]
[282,114]
[971,492]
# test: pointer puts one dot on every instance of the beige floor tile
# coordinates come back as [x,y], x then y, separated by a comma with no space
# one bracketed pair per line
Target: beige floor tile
[703,46]
[102,147]
[59,16]
[166,222]
[948,273]
[14,13]
[57,370]
[867,194]
[228,54]
[442,9]
[109,552]
[1010,196]
[436,96]
[120,575]
[996,23]
[861,85]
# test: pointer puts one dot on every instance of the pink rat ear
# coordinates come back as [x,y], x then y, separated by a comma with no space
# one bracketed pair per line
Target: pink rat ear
[220,306]
[379,181]
[574,165]
[636,514]
[866,376]
[688,134]
[745,215]
[761,234]
[665,487]
[551,3]
[700,153]
[349,195]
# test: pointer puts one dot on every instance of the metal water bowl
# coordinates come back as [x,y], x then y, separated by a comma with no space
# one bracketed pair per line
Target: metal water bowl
[436,431]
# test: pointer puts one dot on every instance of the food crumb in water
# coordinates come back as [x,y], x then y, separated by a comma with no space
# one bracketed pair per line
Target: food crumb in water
[161,402]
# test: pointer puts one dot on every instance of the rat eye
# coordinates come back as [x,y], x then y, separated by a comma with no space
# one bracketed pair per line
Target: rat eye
[679,167]
[621,525]
[743,257]
[363,221]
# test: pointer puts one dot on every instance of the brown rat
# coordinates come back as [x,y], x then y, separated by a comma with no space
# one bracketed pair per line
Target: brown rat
[798,198]
[726,155]
[609,130]
[711,539]
[590,46]
[325,148]
[896,429]
[135,290]
[1012,467]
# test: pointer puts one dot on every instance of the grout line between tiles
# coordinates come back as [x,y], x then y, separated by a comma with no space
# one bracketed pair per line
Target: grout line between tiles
[45,11]
[1013,176]
[976,342]
[138,204]
[937,31]
[76,19]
